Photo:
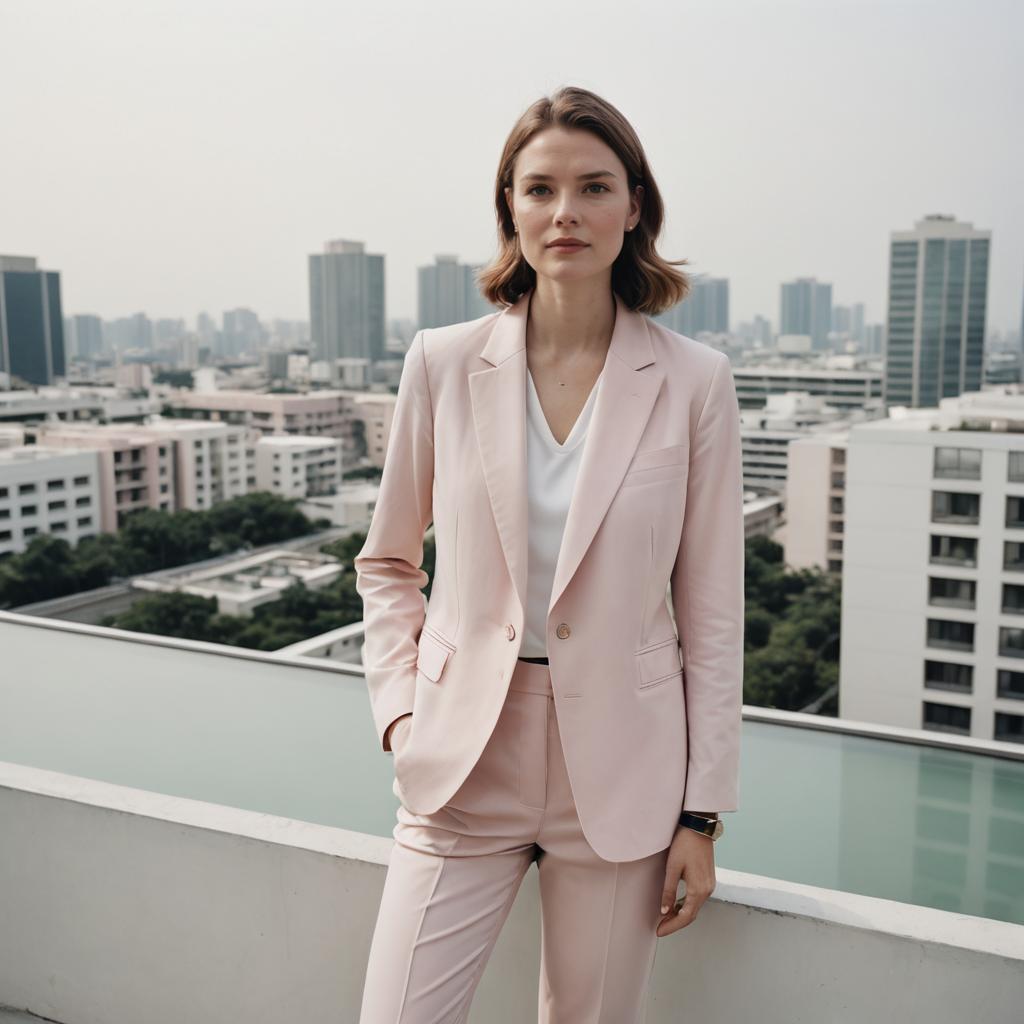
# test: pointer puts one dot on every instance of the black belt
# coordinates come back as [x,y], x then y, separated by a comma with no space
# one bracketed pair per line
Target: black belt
[537,661]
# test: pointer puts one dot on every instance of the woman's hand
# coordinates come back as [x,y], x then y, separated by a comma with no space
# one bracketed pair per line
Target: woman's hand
[692,858]
[399,726]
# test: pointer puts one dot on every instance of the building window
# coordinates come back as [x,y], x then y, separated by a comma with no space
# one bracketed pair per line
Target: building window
[29,510]
[955,507]
[26,488]
[1011,642]
[1010,684]
[1009,728]
[52,506]
[958,463]
[951,593]
[1015,468]
[1013,555]
[947,550]
[55,485]
[1013,598]
[953,634]
[946,718]
[81,481]
[945,675]
[1015,511]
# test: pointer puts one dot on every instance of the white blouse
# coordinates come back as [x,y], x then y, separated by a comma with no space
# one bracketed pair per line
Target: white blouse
[551,476]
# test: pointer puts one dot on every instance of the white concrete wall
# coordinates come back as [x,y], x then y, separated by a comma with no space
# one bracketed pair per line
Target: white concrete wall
[120,905]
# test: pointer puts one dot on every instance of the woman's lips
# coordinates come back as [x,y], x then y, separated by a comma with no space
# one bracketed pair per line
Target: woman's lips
[567,247]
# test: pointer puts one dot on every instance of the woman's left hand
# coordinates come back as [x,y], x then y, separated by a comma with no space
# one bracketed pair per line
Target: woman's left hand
[691,857]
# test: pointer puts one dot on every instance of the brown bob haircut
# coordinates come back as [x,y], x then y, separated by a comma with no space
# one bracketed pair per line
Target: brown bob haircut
[642,279]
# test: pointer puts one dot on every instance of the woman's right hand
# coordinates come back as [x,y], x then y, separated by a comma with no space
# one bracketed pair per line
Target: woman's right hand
[399,726]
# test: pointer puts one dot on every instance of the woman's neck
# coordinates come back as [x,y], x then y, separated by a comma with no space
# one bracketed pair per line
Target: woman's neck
[570,321]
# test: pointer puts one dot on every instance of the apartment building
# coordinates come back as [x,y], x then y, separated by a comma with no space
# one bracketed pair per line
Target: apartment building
[816,502]
[933,568]
[47,491]
[298,467]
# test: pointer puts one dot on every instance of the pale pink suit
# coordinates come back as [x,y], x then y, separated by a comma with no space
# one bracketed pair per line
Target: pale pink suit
[585,763]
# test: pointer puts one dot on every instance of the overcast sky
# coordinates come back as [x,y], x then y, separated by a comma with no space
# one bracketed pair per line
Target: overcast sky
[178,156]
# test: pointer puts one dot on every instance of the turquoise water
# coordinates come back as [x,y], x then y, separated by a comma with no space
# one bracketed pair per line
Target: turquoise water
[915,824]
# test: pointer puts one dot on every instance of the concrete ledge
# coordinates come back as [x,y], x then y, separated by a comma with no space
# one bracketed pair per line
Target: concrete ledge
[121,905]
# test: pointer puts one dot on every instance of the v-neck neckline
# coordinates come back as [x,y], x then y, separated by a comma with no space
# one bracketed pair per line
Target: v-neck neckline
[573,438]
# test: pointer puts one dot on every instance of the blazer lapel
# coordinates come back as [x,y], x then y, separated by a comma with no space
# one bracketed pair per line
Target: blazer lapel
[622,408]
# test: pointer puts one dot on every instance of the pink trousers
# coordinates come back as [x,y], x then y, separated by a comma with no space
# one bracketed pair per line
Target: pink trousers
[453,876]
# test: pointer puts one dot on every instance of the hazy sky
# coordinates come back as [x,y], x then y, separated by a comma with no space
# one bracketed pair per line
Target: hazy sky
[177,156]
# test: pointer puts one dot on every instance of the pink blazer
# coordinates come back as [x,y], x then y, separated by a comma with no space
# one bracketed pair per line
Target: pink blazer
[648,687]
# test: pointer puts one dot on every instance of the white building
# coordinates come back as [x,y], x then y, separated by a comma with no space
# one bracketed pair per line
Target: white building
[815,502]
[766,435]
[47,490]
[247,583]
[213,461]
[163,464]
[933,574]
[298,467]
[839,381]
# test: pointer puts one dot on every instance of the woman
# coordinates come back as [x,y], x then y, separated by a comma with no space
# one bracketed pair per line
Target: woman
[572,693]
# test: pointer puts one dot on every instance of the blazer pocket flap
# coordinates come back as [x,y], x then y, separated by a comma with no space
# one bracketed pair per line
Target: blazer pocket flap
[660,661]
[673,455]
[432,656]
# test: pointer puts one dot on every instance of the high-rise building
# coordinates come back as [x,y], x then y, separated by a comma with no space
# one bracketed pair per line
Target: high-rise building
[346,302]
[706,308]
[243,334]
[87,332]
[448,293]
[806,308]
[935,331]
[31,322]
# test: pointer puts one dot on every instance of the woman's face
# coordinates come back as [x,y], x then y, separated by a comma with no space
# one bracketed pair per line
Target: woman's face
[568,182]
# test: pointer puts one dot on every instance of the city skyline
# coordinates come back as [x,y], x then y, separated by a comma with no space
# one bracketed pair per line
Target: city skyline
[193,161]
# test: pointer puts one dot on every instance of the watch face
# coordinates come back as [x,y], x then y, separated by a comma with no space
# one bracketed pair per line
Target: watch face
[719,829]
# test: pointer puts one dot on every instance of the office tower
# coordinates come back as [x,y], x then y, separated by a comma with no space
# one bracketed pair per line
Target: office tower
[346,302]
[874,339]
[448,293]
[806,308]
[243,334]
[938,285]
[705,308]
[857,322]
[129,332]
[31,322]
[168,329]
[87,331]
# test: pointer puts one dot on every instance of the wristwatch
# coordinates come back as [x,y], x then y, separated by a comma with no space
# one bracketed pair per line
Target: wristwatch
[708,826]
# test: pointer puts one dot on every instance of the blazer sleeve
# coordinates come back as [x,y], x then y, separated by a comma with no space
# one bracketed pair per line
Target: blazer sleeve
[708,600]
[389,577]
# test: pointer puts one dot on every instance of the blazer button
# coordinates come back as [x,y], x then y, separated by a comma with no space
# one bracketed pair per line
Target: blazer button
[510,631]
[563,630]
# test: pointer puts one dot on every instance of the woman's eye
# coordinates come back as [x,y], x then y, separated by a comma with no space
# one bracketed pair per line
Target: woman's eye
[593,184]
